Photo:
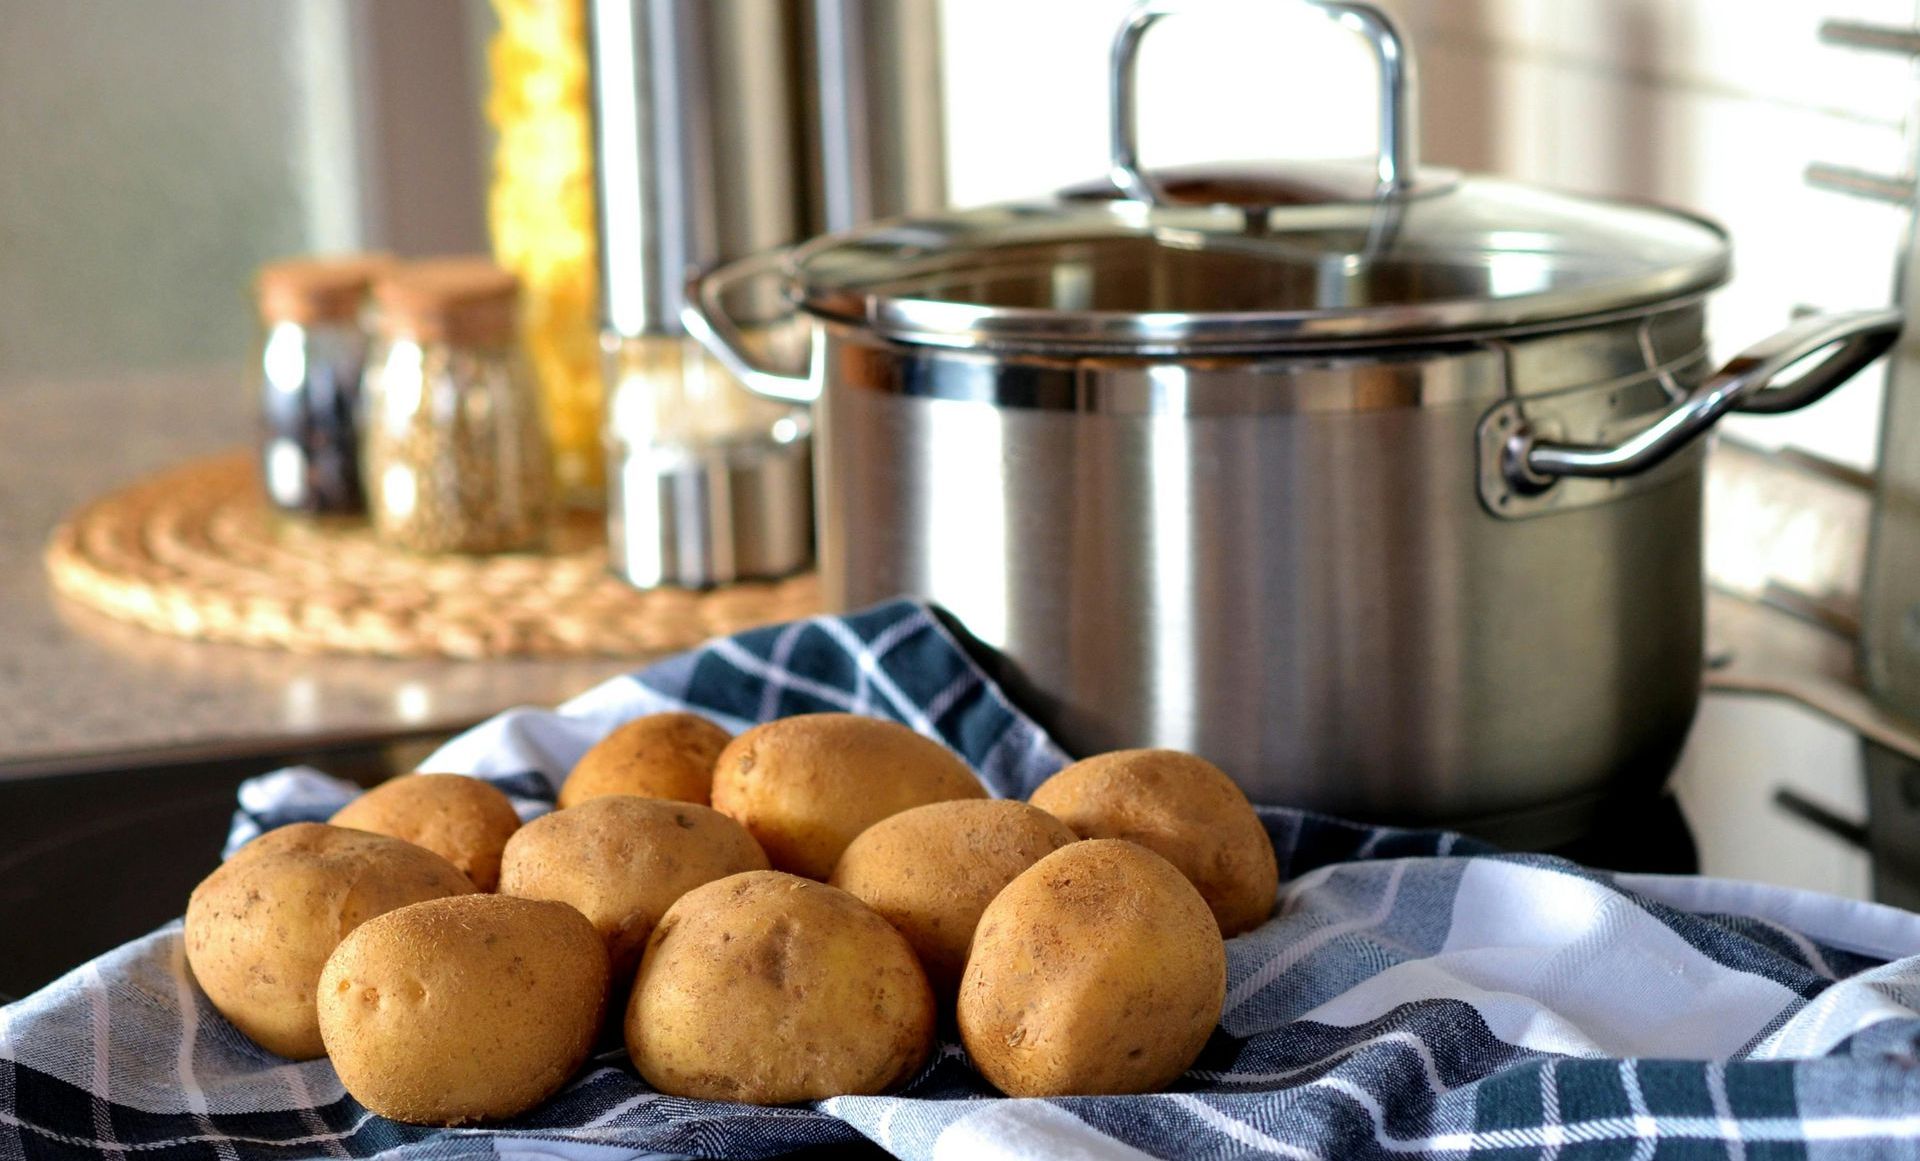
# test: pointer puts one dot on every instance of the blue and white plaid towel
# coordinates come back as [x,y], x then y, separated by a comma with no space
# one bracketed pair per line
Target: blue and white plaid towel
[1415,995]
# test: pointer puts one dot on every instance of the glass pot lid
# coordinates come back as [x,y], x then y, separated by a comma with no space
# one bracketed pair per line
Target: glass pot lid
[1482,256]
[1297,254]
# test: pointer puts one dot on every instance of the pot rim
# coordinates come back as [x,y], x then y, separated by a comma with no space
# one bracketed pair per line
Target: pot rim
[1331,344]
[1403,281]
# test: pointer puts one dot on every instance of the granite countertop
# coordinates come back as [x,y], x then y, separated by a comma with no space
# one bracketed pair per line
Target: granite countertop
[80,691]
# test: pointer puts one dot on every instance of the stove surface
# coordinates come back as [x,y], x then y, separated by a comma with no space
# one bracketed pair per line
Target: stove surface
[1778,793]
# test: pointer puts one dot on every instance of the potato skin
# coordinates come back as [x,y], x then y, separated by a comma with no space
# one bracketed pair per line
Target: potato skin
[467,1009]
[1098,971]
[260,928]
[769,988]
[622,861]
[1183,808]
[667,755]
[805,786]
[932,870]
[463,820]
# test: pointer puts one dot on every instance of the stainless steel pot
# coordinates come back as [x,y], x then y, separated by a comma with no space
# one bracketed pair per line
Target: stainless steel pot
[1379,488]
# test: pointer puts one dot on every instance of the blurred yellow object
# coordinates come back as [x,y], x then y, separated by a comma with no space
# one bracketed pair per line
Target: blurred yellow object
[542,215]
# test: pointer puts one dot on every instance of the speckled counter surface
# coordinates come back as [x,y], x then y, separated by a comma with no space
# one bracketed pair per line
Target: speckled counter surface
[80,691]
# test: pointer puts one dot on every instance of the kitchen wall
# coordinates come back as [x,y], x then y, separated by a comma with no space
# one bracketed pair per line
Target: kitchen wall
[1711,105]
[153,154]
[146,159]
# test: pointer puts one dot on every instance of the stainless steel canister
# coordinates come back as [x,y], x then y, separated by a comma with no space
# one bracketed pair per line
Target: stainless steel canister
[1378,486]
[723,127]
[875,140]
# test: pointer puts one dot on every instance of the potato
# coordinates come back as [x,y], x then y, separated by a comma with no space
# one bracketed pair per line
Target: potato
[932,870]
[1098,971]
[656,756]
[770,988]
[459,1010]
[1183,808]
[463,820]
[260,928]
[805,786]
[622,861]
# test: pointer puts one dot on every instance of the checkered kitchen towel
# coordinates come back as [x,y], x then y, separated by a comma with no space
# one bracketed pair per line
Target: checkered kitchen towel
[1415,995]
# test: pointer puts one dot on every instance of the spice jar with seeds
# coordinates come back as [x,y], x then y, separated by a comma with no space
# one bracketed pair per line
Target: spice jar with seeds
[311,362]
[455,456]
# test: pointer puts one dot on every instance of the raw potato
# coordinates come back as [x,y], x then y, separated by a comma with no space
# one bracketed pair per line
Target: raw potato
[932,870]
[623,861]
[656,756]
[260,928]
[1097,972]
[805,786]
[463,820]
[1183,808]
[459,1010]
[770,988]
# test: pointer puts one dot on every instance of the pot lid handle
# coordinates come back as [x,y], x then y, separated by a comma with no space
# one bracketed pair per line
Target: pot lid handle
[1397,159]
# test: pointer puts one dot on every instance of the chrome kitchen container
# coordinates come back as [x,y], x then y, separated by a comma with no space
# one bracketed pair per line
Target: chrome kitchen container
[723,128]
[1378,486]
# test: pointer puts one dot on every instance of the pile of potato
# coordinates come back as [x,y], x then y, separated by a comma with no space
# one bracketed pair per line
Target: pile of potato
[783,916]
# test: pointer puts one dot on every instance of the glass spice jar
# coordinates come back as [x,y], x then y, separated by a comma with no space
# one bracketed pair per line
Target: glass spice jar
[311,359]
[456,458]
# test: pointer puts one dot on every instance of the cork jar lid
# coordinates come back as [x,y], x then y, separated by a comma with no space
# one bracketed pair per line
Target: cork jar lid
[317,288]
[454,300]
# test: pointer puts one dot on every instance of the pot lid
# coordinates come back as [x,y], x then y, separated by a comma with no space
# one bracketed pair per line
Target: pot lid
[1222,258]
[1480,256]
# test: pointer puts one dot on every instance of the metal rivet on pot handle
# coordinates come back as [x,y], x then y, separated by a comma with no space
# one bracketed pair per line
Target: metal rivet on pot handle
[707,320]
[1747,383]
[1398,156]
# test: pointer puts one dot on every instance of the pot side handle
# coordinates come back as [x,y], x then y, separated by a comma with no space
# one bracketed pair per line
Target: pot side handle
[705,317]
[1747,383]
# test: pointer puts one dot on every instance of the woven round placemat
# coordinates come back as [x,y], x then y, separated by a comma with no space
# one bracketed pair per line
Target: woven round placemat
[197,552]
